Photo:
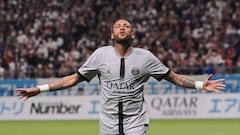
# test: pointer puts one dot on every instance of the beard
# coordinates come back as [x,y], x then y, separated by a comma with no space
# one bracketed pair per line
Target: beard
[125,40]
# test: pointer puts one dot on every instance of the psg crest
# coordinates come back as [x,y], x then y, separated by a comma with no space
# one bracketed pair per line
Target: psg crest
[135,71]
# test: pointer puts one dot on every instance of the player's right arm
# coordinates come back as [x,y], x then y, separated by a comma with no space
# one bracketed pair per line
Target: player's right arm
[208,84]
[65,82]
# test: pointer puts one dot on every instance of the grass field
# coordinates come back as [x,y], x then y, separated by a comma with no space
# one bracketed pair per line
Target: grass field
[157,127]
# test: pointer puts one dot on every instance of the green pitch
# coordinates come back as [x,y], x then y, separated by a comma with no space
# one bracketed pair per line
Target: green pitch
[157,127]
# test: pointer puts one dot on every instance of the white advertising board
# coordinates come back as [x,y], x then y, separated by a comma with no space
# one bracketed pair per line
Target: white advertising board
[181,106]
[194,106]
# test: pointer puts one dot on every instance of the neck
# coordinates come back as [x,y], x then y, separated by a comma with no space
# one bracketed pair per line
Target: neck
[123,49]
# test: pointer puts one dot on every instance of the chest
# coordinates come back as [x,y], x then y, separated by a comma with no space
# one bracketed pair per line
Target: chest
[123,68]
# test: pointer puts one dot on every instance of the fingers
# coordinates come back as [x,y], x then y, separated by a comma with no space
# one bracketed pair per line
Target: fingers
[21,94]
[219,80]
[18,94]
[209,77]
[216,84]
[22,97]
[20,89]
[220,86]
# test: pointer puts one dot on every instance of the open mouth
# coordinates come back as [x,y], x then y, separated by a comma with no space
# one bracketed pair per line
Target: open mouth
[122,33]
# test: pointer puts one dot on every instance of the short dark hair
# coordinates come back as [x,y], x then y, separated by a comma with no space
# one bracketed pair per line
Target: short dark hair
[115,20]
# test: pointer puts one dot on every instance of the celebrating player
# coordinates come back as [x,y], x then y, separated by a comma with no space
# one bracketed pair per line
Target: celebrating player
[122,71]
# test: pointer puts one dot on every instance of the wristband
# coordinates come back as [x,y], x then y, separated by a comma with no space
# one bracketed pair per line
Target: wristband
[199,85]
[43,88]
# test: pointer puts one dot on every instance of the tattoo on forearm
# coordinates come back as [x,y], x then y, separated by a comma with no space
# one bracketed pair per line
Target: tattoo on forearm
[181,80]
[188,83]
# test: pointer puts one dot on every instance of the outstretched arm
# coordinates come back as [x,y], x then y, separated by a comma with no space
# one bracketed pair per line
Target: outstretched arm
[65,82]
[208,84]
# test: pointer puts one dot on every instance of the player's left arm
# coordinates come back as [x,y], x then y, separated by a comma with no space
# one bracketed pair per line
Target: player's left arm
[208,84]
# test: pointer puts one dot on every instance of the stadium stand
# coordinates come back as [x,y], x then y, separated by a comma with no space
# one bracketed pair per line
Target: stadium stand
[42,38]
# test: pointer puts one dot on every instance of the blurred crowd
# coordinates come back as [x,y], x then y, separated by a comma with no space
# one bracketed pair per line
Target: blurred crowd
[52,38]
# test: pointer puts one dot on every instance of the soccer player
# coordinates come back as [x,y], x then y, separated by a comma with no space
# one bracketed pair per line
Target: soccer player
[122,71]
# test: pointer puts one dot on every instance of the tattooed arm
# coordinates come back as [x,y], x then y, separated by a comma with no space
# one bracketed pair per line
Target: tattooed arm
[65,82]
[184,81]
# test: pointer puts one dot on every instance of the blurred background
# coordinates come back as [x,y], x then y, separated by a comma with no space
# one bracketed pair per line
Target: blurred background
[43,40]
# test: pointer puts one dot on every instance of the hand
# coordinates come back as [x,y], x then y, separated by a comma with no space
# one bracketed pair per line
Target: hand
[25,93]
[214,85]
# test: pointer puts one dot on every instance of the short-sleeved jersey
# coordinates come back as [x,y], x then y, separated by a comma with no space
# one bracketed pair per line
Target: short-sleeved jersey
[122,82]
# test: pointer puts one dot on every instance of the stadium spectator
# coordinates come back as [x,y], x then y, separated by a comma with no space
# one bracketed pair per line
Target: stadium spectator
[184,26]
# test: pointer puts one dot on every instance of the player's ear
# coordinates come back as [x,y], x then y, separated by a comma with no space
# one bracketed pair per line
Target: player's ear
[112,36]
[133,35]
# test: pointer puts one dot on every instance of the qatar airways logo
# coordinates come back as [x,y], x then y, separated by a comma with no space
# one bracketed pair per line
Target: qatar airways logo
[120,85]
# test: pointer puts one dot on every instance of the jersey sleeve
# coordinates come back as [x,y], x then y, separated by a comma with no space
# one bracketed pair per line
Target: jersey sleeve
[90,68]
[156,68]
